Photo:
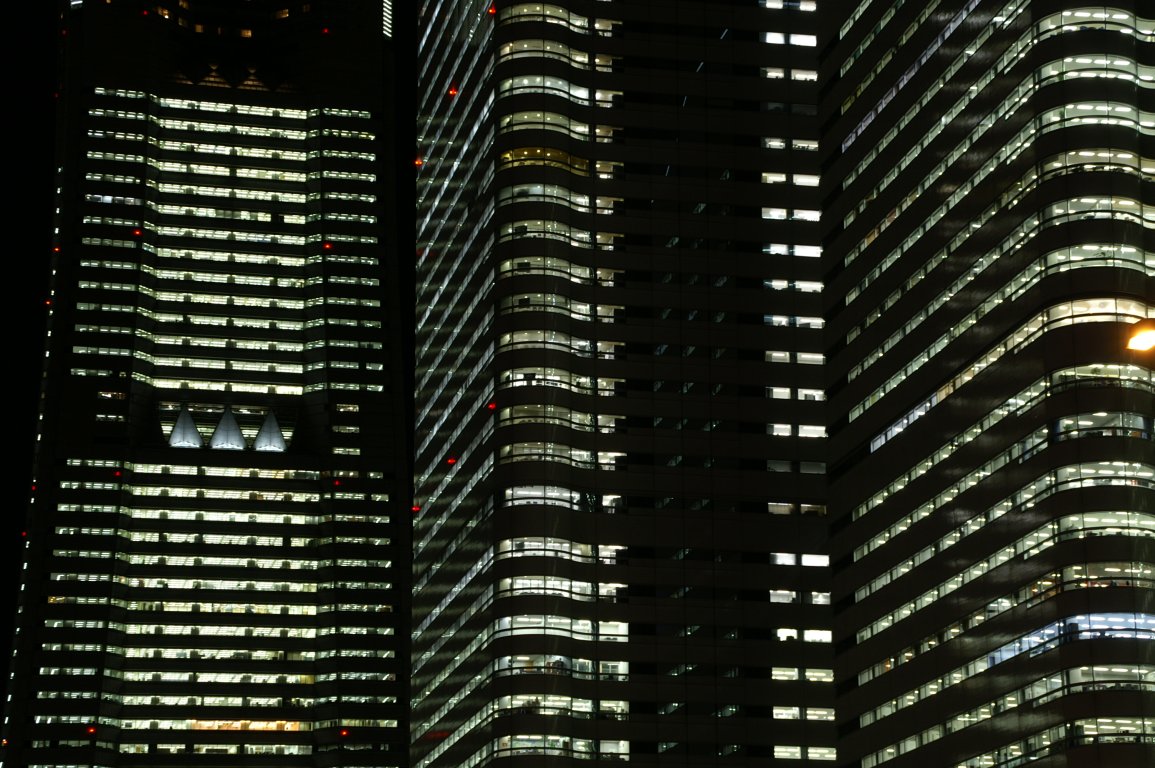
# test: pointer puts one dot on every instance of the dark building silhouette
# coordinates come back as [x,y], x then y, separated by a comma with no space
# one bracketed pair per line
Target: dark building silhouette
[216,556]
[989,197]
[644,295]
[619,536]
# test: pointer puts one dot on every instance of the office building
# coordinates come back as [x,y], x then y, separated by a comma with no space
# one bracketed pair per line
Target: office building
[619,537]
[216,566]
[989,219]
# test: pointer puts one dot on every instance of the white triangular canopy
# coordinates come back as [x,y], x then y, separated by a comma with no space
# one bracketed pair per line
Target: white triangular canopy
[269,438]
[227,436]
[184,433]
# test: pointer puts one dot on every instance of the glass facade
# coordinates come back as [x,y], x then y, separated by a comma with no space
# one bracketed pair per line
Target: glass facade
[216,558]
[992,455]
[619,516]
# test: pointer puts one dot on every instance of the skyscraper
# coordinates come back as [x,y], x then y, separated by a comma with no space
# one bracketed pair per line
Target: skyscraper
[990,218]
[215,565]
[619,532]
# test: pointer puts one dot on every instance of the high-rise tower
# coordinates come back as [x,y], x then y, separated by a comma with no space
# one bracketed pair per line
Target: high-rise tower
[619,532]
[215,566]
[990,181]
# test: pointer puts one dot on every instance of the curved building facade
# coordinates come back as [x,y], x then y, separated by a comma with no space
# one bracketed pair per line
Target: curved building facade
[619,547]
[990,241]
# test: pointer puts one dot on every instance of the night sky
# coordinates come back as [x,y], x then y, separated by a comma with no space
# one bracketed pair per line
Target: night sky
[29,61]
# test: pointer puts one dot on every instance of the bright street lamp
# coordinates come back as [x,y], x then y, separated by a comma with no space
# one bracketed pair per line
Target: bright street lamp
[1141,336]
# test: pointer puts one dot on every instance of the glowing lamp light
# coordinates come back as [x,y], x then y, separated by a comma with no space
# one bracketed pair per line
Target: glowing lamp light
[492,8]
[416,508]
[336,482]
[91,729]
[1142,336]
[492,406]
[344,731]
[452,91]
[327,246]
[451,461]
[418,162]
[137,232]
[324,30]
